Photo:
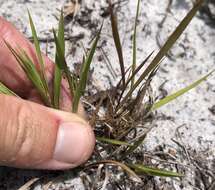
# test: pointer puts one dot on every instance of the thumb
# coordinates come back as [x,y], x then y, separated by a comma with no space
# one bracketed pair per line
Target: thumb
[34,136]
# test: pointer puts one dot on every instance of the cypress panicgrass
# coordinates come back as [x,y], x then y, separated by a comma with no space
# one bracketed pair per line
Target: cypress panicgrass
[121,107]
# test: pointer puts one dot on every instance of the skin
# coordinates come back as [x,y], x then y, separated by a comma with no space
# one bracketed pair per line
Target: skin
[32,135]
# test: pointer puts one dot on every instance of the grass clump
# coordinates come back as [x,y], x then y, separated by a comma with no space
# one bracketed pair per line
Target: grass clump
[128,105]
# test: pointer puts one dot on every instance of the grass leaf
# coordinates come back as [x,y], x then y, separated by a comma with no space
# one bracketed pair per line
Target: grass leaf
[58,61]
[61,62]
[39,55]
[5,90]
[141,169]
[134,49]
[117,41]
[84,73]
[112,141]
[175,95]
[166,47]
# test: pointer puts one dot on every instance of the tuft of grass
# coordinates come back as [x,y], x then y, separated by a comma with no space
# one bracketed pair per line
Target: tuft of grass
[126,108]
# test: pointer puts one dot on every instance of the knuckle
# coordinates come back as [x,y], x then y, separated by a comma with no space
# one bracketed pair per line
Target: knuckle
[16,131]
[25,130]
[24,115]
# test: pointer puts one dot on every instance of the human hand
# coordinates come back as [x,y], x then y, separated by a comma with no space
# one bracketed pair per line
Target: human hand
[32,135]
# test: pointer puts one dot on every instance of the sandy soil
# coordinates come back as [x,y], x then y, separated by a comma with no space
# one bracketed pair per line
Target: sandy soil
[185,127]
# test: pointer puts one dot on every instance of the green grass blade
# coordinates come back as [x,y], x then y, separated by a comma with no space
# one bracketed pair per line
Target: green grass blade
[5,90]
[84,73]
[175,95]
[61,62]
[134,49]
[117,41]
[141,169]
[58,61]
[166,47]
[39,54]
[112,141]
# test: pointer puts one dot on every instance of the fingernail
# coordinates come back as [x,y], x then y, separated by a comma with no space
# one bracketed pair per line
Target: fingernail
[74,144]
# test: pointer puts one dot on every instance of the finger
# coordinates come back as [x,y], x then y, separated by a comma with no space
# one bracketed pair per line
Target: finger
[12,74]
[34,136]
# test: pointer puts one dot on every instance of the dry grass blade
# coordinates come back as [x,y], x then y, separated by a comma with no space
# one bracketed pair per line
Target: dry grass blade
[175,95]
[117,41]
[39,55]
[134,49]
[112,141]
[141,169]
[129,171]
[59,61]
[30,70]
[166,47]
[5,90]
[84,73]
